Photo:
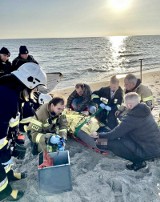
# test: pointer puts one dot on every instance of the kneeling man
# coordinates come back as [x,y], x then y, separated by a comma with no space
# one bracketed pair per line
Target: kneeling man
[136,138]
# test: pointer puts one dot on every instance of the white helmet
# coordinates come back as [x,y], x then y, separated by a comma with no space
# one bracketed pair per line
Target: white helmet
[31,75]
[44,98]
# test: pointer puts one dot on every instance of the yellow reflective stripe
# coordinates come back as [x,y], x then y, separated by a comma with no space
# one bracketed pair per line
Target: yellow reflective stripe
[147,98]
[26,120]
[38,137]
[13,124]
[63,130]
[8,168]
[3,184]
[3,142]
[38,123]
[46,125]
[94,96]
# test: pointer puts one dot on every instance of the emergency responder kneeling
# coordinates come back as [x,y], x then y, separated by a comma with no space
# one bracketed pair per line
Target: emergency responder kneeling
[48,128]
[16,88]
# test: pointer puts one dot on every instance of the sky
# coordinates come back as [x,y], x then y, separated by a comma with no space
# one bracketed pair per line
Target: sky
[78,18]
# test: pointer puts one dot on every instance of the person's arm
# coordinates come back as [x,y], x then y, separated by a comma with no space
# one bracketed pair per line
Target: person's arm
[15,64]
[70,99]
[146,95]
[96,95]
[63,126]
[124,128]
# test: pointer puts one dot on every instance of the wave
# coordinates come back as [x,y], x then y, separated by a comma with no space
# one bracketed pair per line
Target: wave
[76,48]
[95,70]
[130,55]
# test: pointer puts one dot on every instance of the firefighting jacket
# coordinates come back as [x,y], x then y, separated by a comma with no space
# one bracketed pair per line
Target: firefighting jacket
[45,124]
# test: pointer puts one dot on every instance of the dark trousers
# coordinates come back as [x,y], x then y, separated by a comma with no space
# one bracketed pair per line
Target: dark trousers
[7,190]
[108,118]
[125,148]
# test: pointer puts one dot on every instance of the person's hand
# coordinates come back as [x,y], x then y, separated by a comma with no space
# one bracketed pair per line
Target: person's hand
[94,135]
[117,113]
[85,113]
[101,141]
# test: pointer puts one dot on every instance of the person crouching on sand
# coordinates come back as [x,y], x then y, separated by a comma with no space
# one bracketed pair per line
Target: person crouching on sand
[136,138]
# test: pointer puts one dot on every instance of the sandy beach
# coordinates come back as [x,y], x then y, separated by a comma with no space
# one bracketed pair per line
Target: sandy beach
[97,177]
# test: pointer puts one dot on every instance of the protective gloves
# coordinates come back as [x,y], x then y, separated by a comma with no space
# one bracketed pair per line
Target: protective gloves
[106,107]
[57,142]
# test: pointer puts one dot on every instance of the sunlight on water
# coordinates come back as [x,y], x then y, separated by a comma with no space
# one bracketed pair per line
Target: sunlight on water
[117,46]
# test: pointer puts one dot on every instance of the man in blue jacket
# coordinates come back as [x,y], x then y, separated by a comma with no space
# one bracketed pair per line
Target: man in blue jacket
[15,88]
[136,138]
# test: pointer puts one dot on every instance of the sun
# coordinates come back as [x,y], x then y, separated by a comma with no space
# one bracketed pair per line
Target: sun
[120,5]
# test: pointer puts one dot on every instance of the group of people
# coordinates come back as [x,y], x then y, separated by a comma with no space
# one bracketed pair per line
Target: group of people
[18,85]
[123,122]
[131,132]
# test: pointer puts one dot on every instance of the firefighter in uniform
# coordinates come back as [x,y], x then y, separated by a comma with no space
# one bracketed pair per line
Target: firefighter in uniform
[48,122]
[16,88]
[133,84]
[111,95]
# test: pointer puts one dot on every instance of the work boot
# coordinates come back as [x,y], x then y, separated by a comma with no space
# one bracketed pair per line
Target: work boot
[15,195]
[13,176]
[136,166]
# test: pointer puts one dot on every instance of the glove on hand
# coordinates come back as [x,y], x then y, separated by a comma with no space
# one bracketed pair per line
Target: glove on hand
[59,141]
[55,139]
[106,107]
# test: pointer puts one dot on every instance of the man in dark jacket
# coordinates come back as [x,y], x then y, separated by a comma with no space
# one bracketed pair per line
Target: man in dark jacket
[113,95]
[79,99]
[22,58]
[16,88]
[5,65]
[137,137]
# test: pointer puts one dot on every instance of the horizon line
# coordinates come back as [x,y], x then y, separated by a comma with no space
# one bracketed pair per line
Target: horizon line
[78,37]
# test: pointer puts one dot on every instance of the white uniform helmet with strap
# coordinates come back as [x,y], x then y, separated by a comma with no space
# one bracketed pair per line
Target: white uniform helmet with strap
[31,75]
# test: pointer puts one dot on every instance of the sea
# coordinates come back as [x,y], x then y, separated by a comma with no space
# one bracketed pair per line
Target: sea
[90,59]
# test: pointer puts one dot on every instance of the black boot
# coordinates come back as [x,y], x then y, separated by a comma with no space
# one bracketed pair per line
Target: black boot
[136,166]
[15,195]
[16,176]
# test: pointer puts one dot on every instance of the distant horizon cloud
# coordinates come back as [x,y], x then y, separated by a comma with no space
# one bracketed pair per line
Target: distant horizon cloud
[85,18]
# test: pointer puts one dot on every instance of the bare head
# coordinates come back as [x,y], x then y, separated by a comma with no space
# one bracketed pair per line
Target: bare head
[114,83]
[130,81]
[131,100]
[56,105]
[79,88]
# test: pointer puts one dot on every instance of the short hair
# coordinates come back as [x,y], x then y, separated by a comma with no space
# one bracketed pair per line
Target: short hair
[57,100]
[131,78]
[114,80]
[133,97]
[79,85]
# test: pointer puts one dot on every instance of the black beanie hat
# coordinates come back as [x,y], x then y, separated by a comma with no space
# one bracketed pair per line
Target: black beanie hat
[23,50]
[5,51]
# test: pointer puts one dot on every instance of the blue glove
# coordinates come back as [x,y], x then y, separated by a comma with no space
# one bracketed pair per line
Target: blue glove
[102,105]
[106,107]
[57,140]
